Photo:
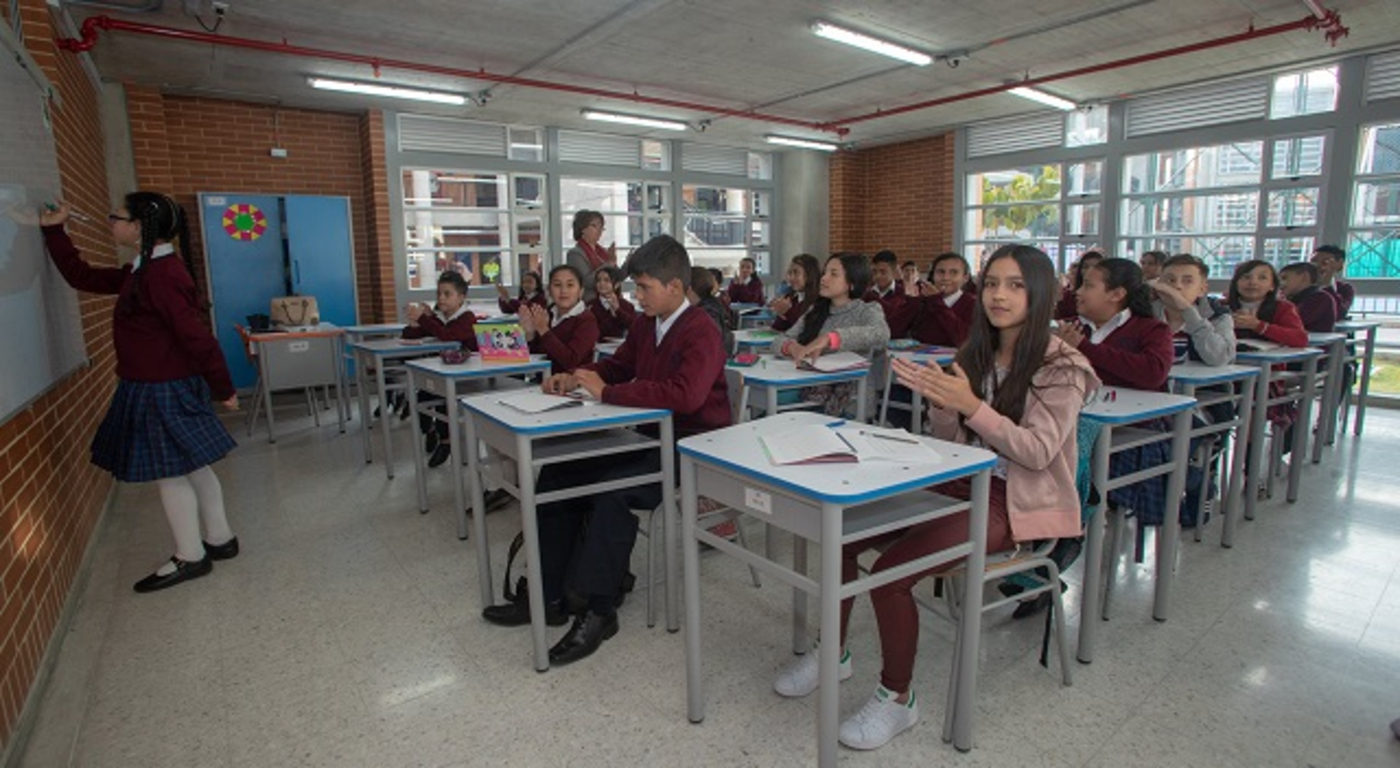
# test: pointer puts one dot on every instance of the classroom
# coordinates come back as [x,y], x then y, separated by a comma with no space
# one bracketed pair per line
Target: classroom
[428,343]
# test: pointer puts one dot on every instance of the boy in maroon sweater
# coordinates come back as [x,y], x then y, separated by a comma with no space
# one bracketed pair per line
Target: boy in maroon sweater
[1316,308]
[1331,262]
[890,295]
[673,359]
[746,288]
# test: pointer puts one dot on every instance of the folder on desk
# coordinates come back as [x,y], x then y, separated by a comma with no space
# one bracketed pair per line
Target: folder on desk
[538,402]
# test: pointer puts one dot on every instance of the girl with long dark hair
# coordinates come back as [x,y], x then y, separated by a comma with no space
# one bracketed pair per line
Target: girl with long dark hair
[803,274]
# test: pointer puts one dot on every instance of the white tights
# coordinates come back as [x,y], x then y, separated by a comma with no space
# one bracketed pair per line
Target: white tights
[188,501]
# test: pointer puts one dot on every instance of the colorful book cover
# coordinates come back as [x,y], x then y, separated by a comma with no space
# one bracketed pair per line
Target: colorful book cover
[502,341]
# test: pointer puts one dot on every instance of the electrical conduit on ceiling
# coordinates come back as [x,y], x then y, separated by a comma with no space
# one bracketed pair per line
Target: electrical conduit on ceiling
[1328,21]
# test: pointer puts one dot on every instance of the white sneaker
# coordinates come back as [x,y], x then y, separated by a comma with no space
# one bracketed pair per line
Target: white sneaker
[881,719]
[799,677]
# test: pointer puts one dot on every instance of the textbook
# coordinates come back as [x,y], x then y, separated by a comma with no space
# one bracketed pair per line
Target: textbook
[846,443]
[836,361]
[1257,345]
[501,340]
[539,402]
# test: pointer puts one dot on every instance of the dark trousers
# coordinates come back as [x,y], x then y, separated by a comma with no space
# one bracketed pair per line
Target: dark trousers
[426,423]
[586,543]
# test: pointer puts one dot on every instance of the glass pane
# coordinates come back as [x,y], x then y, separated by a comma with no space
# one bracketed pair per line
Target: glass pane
[1194,168]
[455,229]
[761,165]
[529,192]
[1380,149]
[656,155]
[453,189]
[658,226]
[1293,208]
[1304,93]
[1085,179]
[601,195]
[762,203]
[478,267]
[1017,185]
[1015,222]
[1197,213]
[529,232]
[1376,204]
[725,260]
[618,228]
[1082,219]
[975,253]
[1220,253]
[709,231]
[760,261]
[1298,157]
[1374,254]
[1084,127]
[1286,250]
[658,198]
[714,200]
[758,234]
[527,144]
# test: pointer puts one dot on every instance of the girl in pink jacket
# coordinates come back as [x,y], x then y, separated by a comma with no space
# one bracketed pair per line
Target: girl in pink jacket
[1014,390]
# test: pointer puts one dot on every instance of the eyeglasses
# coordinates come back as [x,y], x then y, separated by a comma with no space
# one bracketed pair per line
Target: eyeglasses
[114,217]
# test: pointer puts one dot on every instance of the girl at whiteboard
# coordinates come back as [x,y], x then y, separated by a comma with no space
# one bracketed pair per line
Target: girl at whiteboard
[160,426]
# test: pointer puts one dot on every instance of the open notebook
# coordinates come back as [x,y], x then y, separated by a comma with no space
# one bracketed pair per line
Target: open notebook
[846,443]
[836,361]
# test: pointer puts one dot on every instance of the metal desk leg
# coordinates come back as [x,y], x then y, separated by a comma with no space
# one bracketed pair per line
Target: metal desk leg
[862,392]
[668,525]
[420,469]
[265,371]
[694,684]
[829,651]
[342,405]
[970,627]
[1365,380]
[483,550]
[1092,608]
[362,393]
[800,641]
[770,394]
[386,418]
[530,522]
[1255,447]
[885,402]
[1327,414]
[1302,429]
[916,417]
[455,444]
[1230,509]
[1169,536]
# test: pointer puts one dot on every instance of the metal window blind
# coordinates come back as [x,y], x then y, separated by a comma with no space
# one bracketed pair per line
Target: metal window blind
[445,134]
[1383,76]
[600,149]
[707,158]
[1217,104]
[1001,136]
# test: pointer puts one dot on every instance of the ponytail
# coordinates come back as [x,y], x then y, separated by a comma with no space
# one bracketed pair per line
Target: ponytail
[160,218]
[1127,274]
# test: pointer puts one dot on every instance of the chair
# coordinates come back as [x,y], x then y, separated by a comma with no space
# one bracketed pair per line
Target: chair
[654,540]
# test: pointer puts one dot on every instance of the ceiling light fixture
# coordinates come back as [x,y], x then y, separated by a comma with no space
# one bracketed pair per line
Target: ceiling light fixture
[788,141]
[1048,99]
[850,37]
[647,122]
[390,91]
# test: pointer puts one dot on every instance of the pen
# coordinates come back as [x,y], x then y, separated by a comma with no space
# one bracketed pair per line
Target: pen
[891,438]
[75,214]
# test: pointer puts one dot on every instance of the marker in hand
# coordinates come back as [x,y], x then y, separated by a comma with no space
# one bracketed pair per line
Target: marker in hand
[73,214]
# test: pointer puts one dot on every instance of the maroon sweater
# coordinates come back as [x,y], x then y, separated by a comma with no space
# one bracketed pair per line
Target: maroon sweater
[1068,306]
[164,336]
[1345,294]
[1138,354]
[1317,309]
[899,307]
[613,324]
[512,306]
[750,293]
[789,318]
[684,375]
[568,344]
[1285,327]
[937,323]
[462,329]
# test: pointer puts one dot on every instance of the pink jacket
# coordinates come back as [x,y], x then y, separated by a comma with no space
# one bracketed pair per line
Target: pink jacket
[1040,452]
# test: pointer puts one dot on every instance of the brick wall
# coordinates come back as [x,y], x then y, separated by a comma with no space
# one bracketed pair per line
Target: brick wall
[50,496]
[379,284]
[186,145]
[898,196]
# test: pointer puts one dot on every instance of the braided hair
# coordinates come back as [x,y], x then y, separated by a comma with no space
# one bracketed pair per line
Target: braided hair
[161,219]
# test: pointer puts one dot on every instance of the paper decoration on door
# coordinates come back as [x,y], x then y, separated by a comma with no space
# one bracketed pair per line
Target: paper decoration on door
[244,222]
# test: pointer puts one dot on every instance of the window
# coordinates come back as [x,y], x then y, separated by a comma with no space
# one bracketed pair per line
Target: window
[1304,93]
[725,224]
[1084,127]
[1055,207]
[487,226]
[633,211]
[1373,242]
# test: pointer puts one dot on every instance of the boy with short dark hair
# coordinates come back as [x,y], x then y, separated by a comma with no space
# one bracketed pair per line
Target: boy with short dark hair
[1317,308]
[1179,299]
[1331,262]
[887,291]
[702,295]
[746,287]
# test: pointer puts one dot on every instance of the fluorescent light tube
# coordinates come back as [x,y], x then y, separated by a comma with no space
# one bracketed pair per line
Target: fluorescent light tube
[849,37]
[647,122]
[1048,99]
[391,91]
[824,146]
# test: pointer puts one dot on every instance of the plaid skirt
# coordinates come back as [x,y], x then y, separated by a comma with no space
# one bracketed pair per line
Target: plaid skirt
[159,429]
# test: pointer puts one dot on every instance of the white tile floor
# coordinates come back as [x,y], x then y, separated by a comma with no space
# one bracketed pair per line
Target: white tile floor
[348,634]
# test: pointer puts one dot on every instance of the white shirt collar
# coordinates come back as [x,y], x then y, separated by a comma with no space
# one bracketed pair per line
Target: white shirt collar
[556,319]
[743,280]
[160,249]
[1114,323]
[952,298]
[882,294]
[462,310]
[662,326]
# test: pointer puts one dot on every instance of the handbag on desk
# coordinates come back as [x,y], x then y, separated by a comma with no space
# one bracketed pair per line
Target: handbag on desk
[295,311]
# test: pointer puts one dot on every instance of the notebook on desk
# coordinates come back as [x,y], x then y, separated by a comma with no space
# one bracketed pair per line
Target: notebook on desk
[836,361]
[843,444]
[539,402]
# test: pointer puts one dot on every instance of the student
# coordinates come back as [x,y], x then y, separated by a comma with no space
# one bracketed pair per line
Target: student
[588,255]
[610,309]
[1331,262]
[1316,308]
[1069,302]
[889,293]
[160,425]
[1152,263]
[567,332]
[746,287]
[672,358]
[1015,390]
[1258,312]
[450,320]
[1116,330]
[702,295]
[946,306]
[531,292]
[838,320]
[913,285]
[803,272]
[1203,324]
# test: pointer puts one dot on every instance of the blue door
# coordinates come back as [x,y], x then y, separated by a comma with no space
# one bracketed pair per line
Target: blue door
[244,261]
[320,254]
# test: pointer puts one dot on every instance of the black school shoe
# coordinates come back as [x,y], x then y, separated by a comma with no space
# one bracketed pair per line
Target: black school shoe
[517,614]
[440,455]
[183,572]
[226,551]
[583,638]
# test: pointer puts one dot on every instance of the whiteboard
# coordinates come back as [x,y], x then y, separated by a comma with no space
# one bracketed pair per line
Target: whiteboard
[43,332]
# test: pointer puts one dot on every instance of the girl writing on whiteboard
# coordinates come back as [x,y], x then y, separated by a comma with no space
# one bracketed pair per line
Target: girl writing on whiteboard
[160,426]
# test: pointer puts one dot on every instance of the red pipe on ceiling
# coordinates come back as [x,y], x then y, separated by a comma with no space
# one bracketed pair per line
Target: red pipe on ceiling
[1331,23]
